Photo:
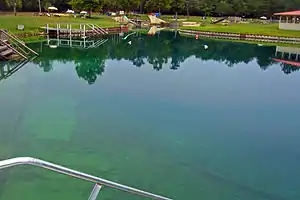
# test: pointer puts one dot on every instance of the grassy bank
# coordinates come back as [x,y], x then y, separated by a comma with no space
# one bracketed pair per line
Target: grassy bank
[32,24]
[251,28]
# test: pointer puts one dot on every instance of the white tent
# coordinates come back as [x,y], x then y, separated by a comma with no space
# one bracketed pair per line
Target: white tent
[263,17]
[52,8]
[83,12]
[70,11]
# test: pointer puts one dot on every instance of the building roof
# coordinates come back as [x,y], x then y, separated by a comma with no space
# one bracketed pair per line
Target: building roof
[293,63]
[291,13]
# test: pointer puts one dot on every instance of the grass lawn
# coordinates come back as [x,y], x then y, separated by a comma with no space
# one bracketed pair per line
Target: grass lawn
[251,28]
[32,24]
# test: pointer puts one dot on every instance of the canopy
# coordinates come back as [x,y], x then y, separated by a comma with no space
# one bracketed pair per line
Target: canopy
[70,11]
[83,12]
[292,13]
[263,17]
[52,8]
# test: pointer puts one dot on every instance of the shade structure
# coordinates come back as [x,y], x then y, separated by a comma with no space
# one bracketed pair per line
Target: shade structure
[291,13]
[52,8]
[70,11]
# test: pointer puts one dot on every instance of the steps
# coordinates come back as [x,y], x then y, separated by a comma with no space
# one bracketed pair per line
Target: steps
[2,48]
[12,48]
[6,53]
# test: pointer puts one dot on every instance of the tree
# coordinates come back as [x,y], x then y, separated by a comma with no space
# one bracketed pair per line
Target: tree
[129,5]
[224,8]
[14,4]
[90,69]
[177,6]
[111,5]
[46,5]
[159,5]
[88,5]
[250,8]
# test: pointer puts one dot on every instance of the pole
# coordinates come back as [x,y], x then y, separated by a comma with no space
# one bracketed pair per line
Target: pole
[57,29]
[15,8]
[70,30]
[84,30]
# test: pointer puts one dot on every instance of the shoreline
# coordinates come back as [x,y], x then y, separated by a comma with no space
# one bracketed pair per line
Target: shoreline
[243,37]
[39,35]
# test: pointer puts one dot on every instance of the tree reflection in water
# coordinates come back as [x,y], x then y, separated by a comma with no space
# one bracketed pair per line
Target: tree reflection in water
[160,51]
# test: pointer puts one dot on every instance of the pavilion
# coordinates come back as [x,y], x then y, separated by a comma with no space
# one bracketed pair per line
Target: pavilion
[289,20]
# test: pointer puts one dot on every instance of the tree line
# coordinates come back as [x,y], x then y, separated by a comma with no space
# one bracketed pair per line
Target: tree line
[247,8]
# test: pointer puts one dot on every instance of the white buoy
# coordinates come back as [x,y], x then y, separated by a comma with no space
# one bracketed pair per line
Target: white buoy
[205,46]
[129,42]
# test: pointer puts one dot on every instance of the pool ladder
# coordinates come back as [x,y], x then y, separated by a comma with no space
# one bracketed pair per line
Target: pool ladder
[99,182]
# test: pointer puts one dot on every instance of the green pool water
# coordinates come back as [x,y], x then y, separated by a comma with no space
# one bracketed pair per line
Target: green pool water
[162,114]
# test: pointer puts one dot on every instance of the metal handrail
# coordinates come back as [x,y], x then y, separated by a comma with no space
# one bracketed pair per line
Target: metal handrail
[92,26]
[80,175]
[102,29]
[18,42]
[14,49]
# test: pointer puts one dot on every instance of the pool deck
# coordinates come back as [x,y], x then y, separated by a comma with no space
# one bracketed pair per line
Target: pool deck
[84,31]
[238,36]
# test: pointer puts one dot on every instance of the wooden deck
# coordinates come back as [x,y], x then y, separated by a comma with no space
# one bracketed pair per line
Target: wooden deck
[81,30]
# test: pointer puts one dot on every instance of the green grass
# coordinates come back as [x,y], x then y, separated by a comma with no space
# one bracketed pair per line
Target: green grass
[251,28]
[32,24]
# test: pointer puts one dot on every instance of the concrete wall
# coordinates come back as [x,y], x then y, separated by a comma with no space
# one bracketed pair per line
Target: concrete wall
[289,26]
[294,50]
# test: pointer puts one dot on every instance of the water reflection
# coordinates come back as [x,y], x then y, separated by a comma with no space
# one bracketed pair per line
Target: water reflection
[161,51]
[70,42]
[9,68]
[289,57]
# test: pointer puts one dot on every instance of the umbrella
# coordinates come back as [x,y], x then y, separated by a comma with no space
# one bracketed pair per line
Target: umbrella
[83,12]
[70,11]
[263,17]
[52,8]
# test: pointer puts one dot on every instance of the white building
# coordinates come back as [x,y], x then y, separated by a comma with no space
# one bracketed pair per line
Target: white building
[289,20]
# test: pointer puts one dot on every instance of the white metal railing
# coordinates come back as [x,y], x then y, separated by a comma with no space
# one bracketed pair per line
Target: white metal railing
[99,182]
[17,45]
[102,29]
[75,28]
[98,43]
[97,29]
